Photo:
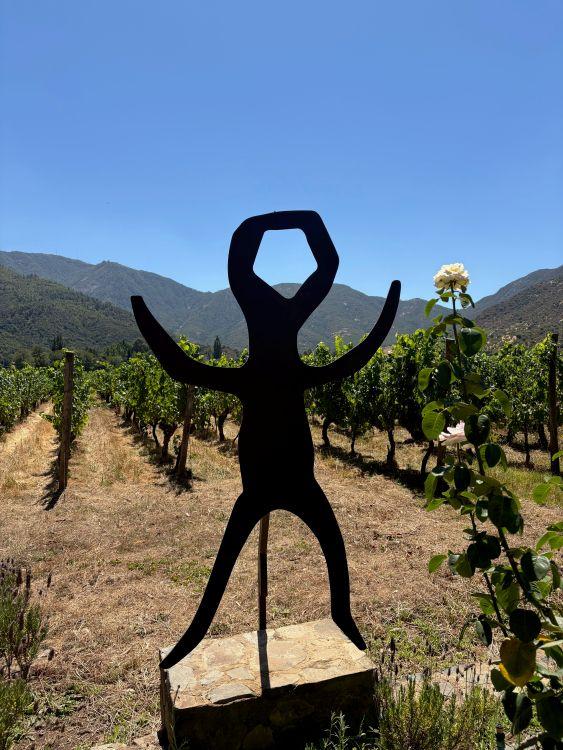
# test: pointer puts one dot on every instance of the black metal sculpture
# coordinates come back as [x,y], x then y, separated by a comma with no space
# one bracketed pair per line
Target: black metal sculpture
[281,478]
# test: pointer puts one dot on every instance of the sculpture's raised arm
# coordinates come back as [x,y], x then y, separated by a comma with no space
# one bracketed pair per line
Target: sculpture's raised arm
[315,288]
[356,358]
[176,362]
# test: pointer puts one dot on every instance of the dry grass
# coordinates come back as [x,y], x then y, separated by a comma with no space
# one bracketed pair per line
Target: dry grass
[130,553]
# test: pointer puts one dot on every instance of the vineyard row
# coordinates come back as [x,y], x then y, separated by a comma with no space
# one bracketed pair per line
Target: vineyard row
[391,390]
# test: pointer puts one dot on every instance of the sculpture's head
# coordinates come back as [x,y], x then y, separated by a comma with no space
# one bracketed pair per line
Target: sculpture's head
[267,312]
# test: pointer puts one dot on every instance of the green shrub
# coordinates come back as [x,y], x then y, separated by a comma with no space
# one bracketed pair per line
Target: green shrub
[15,701]
[22,624]
[520,602]
[420,717]
[417,716]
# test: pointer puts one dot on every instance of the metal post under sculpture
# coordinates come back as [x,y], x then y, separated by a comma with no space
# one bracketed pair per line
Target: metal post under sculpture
[280,479]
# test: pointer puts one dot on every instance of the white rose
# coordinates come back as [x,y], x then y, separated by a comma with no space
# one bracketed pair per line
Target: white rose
[452,274]
[453,435]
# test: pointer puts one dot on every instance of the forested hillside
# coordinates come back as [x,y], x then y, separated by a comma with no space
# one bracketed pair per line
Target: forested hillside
[39,313]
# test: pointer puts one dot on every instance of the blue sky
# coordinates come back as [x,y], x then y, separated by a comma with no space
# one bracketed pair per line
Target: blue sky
[423,132]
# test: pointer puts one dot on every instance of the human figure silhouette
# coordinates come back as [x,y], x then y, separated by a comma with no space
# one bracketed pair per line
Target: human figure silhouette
[279,477]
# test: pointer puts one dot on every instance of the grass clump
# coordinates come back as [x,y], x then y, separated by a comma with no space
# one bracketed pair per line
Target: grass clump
[188,573]
[416,716]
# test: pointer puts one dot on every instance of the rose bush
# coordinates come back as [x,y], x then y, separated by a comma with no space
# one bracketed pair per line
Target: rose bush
[519,604]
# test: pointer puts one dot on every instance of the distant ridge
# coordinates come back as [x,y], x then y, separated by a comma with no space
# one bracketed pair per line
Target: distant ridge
[527,307]
[203,315]
[519,285]
[527,314]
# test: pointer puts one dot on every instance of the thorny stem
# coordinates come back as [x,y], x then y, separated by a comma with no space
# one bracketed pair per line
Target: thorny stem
[463,385]
[490,587]
[481,471]
[522,583]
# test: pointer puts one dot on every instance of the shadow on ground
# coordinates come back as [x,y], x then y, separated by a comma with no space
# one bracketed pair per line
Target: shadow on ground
[409,478]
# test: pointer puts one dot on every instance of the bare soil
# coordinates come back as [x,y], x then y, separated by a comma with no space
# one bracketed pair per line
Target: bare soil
[130,553]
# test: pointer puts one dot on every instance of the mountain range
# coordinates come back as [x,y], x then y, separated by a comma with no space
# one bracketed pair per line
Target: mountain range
[526,308]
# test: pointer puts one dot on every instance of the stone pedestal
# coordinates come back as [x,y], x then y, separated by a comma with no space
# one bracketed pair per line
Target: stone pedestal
[266,689]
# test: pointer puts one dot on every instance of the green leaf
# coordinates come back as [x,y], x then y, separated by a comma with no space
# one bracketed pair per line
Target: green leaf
[481,510]
[504,513]
[504,401]
[518,708]
[452,561]
[500,682]
[481,552]
[471,340]
[540,493]
[462,477]
[440,470]
[435,563]
[508,597]
[466,300]
[492,453]
[534,567]
[463,567]
[432,406]
[433,424]
[476,389]
[484,630]
[557,455]
[430,484]
[518,661]
[461,411]
[451,319]
[553,538]
[429,306]
[550,715]
[444,374]
[477,428]
[525,624]
[435,503]
[555,575]
[485,603]
[424,378]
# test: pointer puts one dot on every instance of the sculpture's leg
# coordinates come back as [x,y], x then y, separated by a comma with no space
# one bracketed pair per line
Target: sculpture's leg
[316,512]
[246,514]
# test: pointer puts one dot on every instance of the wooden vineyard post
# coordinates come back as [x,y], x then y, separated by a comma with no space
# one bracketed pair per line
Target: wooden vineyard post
[263,571]
[184,443]
[66,421]
[553,407]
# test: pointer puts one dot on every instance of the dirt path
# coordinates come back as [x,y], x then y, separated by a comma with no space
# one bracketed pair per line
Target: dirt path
[130,554]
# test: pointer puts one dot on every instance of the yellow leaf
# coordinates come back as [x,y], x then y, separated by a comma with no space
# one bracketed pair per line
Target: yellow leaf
[518,661]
